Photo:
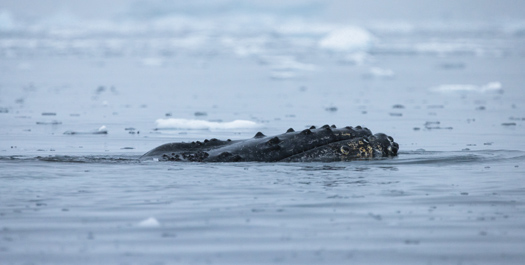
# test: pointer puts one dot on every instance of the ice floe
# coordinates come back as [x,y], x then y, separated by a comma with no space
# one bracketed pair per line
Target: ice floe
[204,125]
[489,87]
[101,130]
[350,38]
[150,222]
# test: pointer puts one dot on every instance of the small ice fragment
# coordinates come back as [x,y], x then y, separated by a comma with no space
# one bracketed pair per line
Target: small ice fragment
[150,222]
[101,130]
[489,87]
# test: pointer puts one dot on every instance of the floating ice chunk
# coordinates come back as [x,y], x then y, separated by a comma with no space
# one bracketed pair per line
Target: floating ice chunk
[150,222]
[489,87]
[349,38]
[204,125]
[101,130]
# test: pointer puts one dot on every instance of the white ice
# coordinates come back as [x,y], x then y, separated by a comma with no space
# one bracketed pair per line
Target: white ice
[204,125]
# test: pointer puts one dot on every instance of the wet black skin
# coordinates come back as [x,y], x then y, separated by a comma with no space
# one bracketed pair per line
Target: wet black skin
[326,144]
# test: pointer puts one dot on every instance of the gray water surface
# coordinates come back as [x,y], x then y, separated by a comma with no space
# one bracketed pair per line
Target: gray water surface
[410,209]
[80,96]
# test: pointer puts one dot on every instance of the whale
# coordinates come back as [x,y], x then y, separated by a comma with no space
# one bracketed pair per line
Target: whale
[323,144]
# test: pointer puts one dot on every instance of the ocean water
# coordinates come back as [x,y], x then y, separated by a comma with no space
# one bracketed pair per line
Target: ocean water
[84,93]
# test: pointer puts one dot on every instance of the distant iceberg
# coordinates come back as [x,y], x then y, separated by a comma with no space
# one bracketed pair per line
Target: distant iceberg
[349,38]
[204,125]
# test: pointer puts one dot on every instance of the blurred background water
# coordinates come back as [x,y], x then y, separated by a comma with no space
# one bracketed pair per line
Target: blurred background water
[88,86]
